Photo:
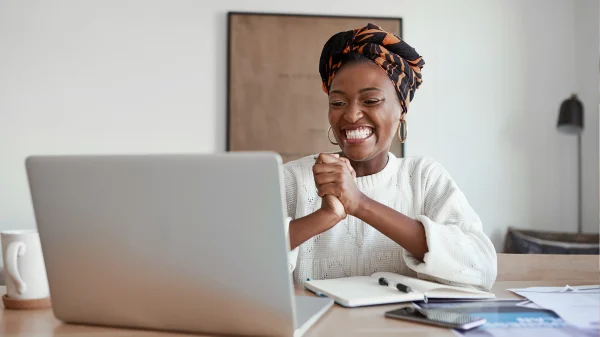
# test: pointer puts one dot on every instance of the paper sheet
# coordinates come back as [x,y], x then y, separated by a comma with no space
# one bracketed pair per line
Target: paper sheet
[579,306]
[529,304]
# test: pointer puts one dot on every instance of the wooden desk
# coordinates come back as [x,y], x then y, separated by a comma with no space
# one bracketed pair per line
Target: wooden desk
[339,321]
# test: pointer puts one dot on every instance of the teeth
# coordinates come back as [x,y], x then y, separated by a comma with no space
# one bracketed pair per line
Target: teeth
[360,133]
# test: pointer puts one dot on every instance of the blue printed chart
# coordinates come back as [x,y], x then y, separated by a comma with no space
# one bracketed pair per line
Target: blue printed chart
[508,319]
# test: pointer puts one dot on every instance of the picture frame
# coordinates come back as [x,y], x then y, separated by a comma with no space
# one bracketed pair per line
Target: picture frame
[275,100]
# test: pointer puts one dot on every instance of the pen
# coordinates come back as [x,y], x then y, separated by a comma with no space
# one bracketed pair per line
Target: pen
[399,286]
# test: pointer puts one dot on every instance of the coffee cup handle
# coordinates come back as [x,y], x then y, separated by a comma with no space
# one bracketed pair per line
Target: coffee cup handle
[14,250]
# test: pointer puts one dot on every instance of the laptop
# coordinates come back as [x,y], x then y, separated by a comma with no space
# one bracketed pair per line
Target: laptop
[182,242]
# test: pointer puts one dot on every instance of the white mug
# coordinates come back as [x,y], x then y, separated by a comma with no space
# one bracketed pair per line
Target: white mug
[24,268]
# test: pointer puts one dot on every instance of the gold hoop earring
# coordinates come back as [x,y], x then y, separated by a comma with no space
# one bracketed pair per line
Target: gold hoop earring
[402,139]
[334,143]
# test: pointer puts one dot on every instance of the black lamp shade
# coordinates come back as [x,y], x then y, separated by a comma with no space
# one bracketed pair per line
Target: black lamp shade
[570,117]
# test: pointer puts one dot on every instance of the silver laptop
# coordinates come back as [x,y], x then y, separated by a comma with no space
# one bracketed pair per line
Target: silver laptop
[191,243]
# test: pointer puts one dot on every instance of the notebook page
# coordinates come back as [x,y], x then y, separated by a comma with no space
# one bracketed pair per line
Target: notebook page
[414,283]
[359,291]
[433,289]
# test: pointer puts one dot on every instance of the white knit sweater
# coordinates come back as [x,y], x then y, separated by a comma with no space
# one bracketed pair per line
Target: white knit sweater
[459,252]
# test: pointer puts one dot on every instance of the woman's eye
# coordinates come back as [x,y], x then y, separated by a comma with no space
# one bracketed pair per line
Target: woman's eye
[371,101]
[338,103]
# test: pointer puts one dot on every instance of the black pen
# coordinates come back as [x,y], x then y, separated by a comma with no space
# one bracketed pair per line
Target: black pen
[399,286]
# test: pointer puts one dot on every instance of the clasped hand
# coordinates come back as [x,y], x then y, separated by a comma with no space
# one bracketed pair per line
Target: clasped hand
[334,178]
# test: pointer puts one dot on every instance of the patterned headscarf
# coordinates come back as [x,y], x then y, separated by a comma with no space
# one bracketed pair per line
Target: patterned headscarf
[399,60]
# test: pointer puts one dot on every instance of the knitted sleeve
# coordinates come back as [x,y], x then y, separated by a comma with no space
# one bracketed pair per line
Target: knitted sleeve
[291,187]
[459,251]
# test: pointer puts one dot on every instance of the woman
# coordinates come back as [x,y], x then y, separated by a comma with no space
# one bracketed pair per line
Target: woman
[363,210]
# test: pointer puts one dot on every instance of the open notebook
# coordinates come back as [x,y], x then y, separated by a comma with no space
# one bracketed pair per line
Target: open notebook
[359,291]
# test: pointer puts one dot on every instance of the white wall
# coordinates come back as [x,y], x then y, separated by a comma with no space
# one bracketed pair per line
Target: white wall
[587,69]
[500,71]
[149,76]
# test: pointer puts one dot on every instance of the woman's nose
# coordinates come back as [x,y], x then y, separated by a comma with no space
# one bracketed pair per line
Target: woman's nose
[353,113]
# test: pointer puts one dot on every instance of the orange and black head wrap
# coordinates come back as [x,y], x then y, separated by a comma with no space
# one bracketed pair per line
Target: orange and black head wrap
[399,60]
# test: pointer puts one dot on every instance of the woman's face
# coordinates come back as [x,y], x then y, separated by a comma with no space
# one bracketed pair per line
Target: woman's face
[364,111]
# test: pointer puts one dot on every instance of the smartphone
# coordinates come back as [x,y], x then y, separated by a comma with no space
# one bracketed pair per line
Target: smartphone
[437,317]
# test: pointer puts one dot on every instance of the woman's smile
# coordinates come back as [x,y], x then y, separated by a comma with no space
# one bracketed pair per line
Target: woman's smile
[356,134]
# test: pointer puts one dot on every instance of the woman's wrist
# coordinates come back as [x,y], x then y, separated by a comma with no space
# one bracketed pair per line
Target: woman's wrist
[302,229]
[327,219]
[363,208]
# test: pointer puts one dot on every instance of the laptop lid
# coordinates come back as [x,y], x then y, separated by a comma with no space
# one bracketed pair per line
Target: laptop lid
[188,242]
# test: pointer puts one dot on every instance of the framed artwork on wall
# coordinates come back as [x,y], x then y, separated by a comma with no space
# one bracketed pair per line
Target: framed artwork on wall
[275,100]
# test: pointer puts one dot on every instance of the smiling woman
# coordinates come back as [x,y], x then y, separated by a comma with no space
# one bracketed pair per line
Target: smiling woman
[364,113]
[363,210]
